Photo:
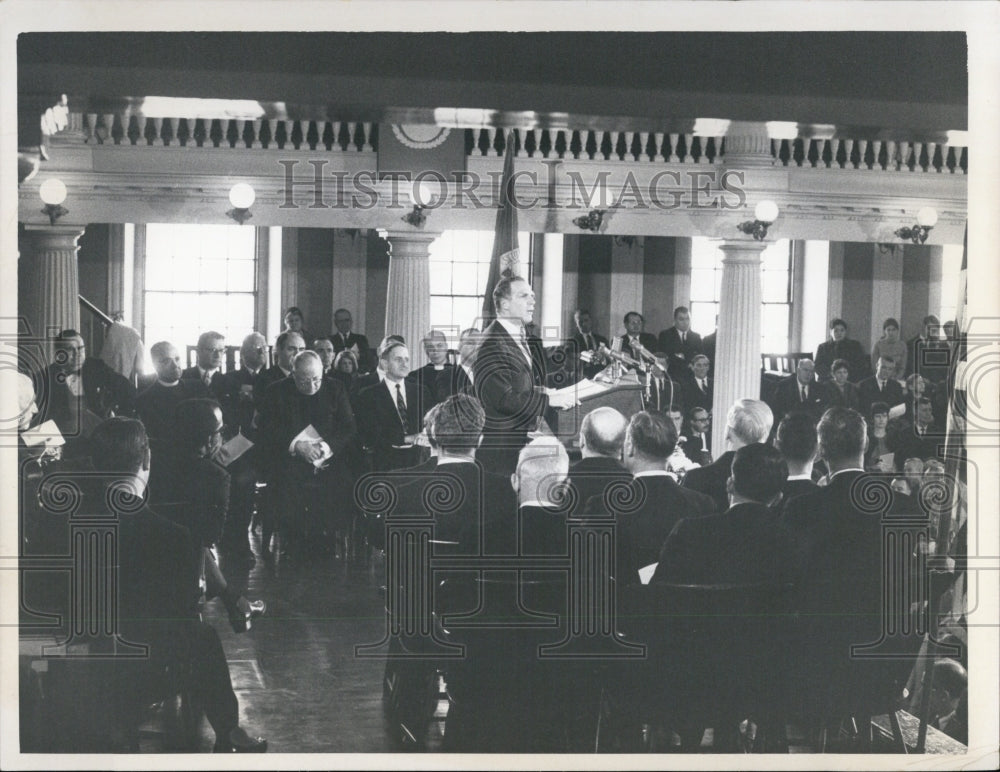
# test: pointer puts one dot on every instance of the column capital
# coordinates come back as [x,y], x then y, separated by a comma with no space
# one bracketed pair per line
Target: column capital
[742,250]
[55,236]
[409,244]
[748,144]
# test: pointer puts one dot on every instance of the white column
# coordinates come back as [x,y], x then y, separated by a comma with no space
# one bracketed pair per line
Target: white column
[273,301]
[408,301]
[626,282]
[571,283]
[816,292]
[737,346]
[51,301]
[550,324]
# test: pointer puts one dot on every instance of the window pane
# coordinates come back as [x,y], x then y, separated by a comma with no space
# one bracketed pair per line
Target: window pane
[703,317]
[465,280]
[160,273]
[775,286]
[213,276]
[702,285]
[774,328]
[704,253]
[440,311]
[467,311]
[241,276]
[440,276]
[776,256]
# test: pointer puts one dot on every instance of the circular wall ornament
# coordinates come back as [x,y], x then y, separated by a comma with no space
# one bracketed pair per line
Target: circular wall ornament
[420,136]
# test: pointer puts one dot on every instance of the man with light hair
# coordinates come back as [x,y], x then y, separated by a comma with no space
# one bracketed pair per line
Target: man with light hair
[602,434]
[539,481]
[748,421]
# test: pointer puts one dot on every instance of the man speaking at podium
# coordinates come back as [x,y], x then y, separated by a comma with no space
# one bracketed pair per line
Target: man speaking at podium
[509,380]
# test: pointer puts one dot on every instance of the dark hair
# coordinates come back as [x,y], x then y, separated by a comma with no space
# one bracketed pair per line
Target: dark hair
[68,334]
[759,472]
[681,310]
[890,322]
[835,322]
[195,422]
[391,345]
[119,445]
[652,434]
[887,358]
[839,363]
[630,313]
[931,319]
[293,310]
[502,290]
[205,337]
[696,409]
[282,339]
[842,432]
[796,438]
[877,408]
[459,422]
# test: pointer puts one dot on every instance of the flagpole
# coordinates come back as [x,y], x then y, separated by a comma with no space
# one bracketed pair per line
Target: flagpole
[505,260]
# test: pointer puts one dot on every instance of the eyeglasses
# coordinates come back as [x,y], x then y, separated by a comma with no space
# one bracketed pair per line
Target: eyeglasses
[214,350]
[303,380]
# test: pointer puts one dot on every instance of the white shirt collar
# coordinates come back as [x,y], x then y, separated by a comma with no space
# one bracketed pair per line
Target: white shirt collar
[168,385]
[651,473]
[468,371]
[202,371]
[800,477]
[452,460]
[392,389]
[541,505]
[515,330]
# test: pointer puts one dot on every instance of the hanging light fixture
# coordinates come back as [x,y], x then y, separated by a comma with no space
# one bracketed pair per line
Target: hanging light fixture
[241,196]
[53,193]
[765,213]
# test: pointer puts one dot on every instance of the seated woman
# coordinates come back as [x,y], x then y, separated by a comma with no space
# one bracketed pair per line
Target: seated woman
[878,441]
[842,392]
[345,369]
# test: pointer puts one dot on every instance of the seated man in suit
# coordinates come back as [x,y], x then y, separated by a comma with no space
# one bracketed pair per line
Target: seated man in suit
[698,447]
[287,346]
[158,592]
[602,434]
[840,558]
[542,503]
[324,348]
[801,392]
[156,404]
[841,347]
[696,386]
[390,412]
[440,378]
[739,545]
[748,421]
[796,441]
[211,353]
[647,511]
[927,354]
[377,374]
[82,390]
[302,473]
[880,387]
[635,339]
[917,437]
[235,389]
[468,345]
[345,338]
[680,344]
[585,339]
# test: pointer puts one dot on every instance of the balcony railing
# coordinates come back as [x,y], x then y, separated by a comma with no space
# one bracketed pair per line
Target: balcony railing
[592,144]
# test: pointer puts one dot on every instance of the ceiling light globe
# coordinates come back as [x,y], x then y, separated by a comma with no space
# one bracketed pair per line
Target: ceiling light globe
[927,217]
[52,191]
[242,195]
[766,211]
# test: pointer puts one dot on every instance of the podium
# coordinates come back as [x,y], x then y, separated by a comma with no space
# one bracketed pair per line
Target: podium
[625,397]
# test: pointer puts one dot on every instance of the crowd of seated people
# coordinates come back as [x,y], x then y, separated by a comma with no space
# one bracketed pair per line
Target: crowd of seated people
[329,412]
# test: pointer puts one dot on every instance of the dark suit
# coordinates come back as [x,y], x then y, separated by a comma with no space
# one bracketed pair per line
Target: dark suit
[929,358]
[838,556]
[365,381]
[711,480]
[679,354]
[512,395]
[194,374]
[105,393]
[708,349]
[353,339]
[646,517]
[264,379]
[284,412]
[665,393]
[647,339]
[440,384]
[593,476]
[868,393]
[858,363]
[787,399]
[198,482]
[156,405]
[235,393]
[380,428]
[694,396]
[795,488]
[738,546]
[577,344]
[693,448]
[906,442]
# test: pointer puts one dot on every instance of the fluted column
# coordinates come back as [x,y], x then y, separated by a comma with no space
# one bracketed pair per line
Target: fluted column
[50,302]
[737,346]
[408,301]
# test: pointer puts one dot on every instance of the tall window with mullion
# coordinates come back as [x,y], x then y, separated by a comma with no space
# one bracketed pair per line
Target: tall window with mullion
[198,278]
[459,270]
[776,290]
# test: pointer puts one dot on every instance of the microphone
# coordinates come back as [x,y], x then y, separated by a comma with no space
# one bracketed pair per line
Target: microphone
[645,354]
[625,359]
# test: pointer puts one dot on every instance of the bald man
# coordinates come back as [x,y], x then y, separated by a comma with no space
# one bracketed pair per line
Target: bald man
[602,434]
[540,483]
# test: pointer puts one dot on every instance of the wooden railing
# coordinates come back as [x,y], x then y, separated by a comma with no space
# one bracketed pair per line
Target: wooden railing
[642,147]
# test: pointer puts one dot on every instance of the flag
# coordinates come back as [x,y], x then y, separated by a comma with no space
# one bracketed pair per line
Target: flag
[505,260]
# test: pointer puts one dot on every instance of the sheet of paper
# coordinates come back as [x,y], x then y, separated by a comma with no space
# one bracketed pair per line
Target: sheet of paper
[46,434]
[233,449]
[582,389]
[646,572]
[309,434]
[897,410]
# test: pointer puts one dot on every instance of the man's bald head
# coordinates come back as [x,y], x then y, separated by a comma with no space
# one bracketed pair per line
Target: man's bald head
[603,432]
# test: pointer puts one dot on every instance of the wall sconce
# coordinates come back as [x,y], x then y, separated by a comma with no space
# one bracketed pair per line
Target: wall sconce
[591,221]
[53,193]
[241,196]
[765,213]
[421,194]
[926,219]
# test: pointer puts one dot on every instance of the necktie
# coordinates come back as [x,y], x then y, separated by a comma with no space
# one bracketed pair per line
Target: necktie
[701,385]
[590,342]
[684,337]
[207,378]
[524,345]
[401,409]
[805,392]
[74,384]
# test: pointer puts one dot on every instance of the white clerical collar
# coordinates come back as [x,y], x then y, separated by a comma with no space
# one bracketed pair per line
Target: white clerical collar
[652,473]
[800,477]
[438,367]
[541,505]
[843,471]
[442,460]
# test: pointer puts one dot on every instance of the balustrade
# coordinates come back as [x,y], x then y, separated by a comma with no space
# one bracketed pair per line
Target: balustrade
[613,146]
